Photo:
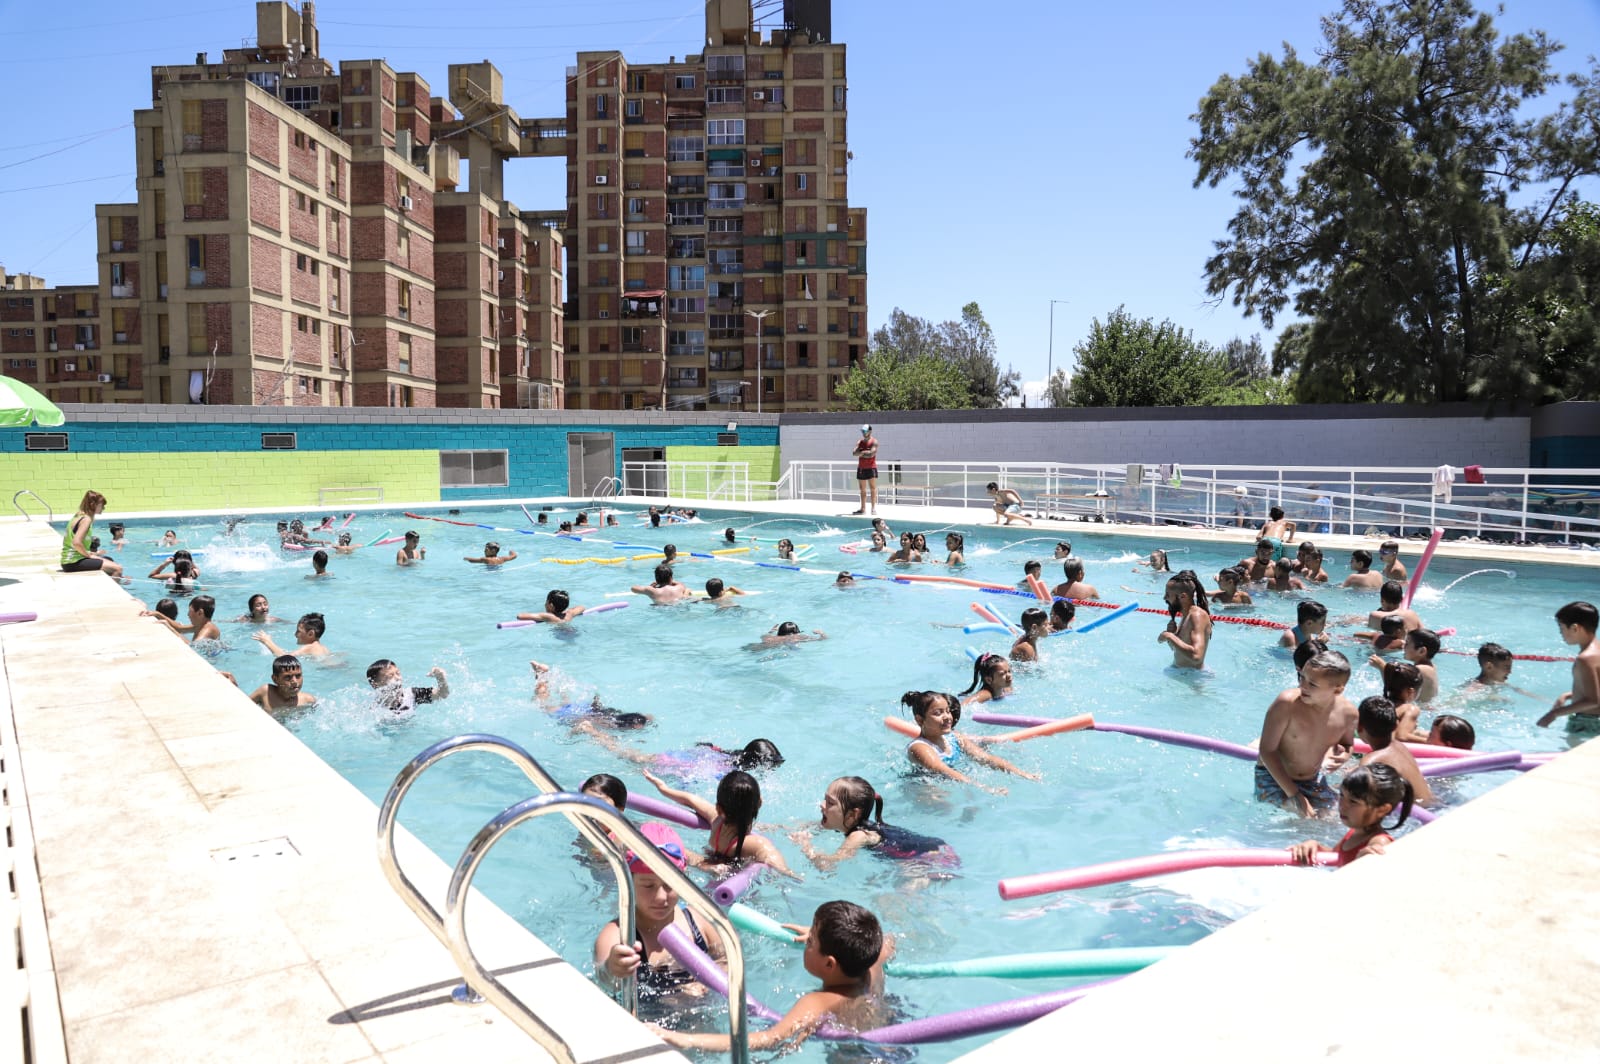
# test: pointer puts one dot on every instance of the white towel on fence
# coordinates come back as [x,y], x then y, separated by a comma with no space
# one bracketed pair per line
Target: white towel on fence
[1443,478]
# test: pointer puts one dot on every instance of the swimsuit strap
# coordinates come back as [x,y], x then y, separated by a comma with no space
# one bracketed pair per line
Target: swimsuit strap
[694,928]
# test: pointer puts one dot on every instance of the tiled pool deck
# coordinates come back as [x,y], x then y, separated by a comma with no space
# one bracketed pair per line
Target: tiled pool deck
[138,773]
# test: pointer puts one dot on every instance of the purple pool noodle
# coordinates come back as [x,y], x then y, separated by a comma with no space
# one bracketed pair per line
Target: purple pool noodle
[953,1025]
[731,889]
[515,624]
[1008,720]
[1460,766]
[1423,816]
[643,803]
[1197,742]
[604,606]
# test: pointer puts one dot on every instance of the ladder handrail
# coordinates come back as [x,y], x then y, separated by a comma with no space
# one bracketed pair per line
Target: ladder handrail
[389,813]
[579,809]
[24,513]
[613,484]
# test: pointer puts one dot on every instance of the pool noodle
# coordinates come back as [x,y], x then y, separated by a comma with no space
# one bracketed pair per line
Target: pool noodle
[1422,566]
[1007,591]
[904,727]
[1099,875]
[391,539]
[732,550]
[986,613]
[514,624]
[986,626]
[604,606]
[1422,751]
[663,810]
[1040,592]
[948,1027]
[775,565]
[1010,720]
[1175,738]
[1482,763]
[734,887]
[381,538]
[1073,963]
[913,578]
[14,618]
[347,521]
[758,923]
[1038,731]
[974,653]
[1120,611]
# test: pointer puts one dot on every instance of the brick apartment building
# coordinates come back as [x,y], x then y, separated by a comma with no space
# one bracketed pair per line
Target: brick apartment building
[302,235]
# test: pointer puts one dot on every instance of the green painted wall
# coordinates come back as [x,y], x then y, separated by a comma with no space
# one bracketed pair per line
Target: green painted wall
[763,462]
[215,480]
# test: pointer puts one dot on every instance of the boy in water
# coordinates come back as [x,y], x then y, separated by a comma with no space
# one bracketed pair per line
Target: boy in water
[1361,574]
[1578,621]
[1452,731]
[1031,567]
[1389,555]
[1419,649]
[558,609]
[1301,726]
[1401,682]
[1376,727]
[1063,551]
[411,551]
[307,636]
[1228,592]
[284,692]
[1312,618]
[787,634]
[492,556]
[1391,603]
[846,949]
[665,591]
[720,593]
[1074,587]
[384,676]
[200,626]
[1494,665]
[344,546]
[319,564]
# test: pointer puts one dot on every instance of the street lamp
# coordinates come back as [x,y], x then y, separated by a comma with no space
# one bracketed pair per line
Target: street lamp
[760,316]
[1050,357]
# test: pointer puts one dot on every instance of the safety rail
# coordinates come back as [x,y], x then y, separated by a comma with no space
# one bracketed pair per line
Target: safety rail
[710,481]
[1512,505]
[47,508]
[478,983]
[607,488]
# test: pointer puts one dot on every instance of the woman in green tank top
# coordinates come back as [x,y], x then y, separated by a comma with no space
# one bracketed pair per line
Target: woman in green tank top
[75,556]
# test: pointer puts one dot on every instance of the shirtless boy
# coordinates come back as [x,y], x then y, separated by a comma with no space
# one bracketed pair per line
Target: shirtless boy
[1279,530]
[558,609]
[1389,555]
[1578,621]
[411,550]
[1301,726]
[1419,648]
[1376,727]
[665,591]
[492,556]
[1074,587]
[1007,504]
[307,636]
[723,595]
[284,692]
[1361,574]
[1189,630]
[1391,603]
[200,626]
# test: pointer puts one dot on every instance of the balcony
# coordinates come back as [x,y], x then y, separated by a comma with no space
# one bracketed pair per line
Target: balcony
[771,361]
[122,291]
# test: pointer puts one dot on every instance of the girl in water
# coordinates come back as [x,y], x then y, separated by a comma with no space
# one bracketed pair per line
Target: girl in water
[706,761]
[731,819]
[906,553]
[880,543]
[1368,795]
[580,714]
[1062,611]
[1189,630]
[938,749]
[260,612]
[785,550]
[956,544]
[851,806]
[991,680]
[1035,626]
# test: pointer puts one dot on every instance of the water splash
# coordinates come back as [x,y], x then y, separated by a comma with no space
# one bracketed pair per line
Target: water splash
[1430,595]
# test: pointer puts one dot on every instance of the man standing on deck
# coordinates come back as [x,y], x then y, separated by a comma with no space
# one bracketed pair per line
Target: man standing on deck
[866,453]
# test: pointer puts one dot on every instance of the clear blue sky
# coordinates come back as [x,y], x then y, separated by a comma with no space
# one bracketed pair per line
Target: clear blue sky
[1008,160]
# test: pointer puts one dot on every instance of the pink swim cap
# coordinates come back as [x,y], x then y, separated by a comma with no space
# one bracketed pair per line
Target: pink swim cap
[665,839]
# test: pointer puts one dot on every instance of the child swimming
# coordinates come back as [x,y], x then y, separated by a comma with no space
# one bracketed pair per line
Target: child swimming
[1367,795]
[1035,626]
[938,749]
[853,807]
[991,679]
[732,818]
[558,609]
[1229,591]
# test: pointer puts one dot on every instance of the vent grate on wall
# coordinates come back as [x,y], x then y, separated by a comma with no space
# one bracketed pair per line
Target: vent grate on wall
[727,439]
[45,441]
[278,441]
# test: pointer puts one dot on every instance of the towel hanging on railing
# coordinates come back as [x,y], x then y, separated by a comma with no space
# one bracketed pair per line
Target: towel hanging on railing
[1443,478]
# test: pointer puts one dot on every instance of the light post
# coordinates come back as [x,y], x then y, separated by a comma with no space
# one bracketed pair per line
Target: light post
[1050,357]
[760,316]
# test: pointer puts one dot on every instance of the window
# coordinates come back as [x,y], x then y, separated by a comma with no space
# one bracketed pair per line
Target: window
[686,341]
[721,67]
[197,328]
[405,300]
[472,469]
[196,250]
[802,181]
[721,94]
[300,263]
[635,241]
[725,225]
[279,441]
[302,97]
[634,108]
[403,244]
[688,247]
[193,188]
[632,335]
[726,260]
[686,278]
[683,81]
[405,353]
[725,131]
[265,79]
[635,206]
[838,97]
[600,105]
[725,196]
[686,212]
[774,94]
[686,149]
[119,274]
[191,119]
[685,305]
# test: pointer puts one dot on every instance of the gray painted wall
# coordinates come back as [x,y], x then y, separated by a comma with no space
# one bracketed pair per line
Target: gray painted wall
[1457,434]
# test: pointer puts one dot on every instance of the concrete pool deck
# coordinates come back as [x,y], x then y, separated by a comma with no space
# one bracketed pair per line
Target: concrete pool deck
[208,889]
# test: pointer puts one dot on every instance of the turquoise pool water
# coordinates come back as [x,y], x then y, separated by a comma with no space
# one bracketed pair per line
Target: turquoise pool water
[1103,796]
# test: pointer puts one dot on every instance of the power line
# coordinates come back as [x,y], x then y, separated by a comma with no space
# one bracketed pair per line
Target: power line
[56,140]
[69,147]
[59,184]
[78,28]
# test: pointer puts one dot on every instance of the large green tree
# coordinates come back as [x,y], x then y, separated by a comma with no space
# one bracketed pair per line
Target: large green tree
[1387,186]
[967,346]
[889,380]
[1128,361]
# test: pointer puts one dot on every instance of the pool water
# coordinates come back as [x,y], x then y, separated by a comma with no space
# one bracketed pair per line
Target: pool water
[1102,796]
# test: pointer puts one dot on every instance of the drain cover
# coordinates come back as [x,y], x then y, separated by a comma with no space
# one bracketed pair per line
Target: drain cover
[266,848]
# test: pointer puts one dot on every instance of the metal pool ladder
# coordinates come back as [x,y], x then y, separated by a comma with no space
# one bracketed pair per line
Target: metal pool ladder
[593,818]
[25,513]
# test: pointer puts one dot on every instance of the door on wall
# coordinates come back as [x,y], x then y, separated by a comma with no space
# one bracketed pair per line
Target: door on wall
[591,457]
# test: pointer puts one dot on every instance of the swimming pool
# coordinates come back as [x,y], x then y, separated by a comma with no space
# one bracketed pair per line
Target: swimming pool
[1104,796]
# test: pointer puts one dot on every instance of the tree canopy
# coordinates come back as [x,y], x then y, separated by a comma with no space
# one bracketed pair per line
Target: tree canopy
[887,380]
[1396,196]
[1128,361]
[966,348]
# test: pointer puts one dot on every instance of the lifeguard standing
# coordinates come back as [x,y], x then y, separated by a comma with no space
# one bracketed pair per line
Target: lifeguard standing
[866,453]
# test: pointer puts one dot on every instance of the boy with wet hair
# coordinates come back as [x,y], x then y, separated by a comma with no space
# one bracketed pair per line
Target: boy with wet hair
[720,593]
[1361,574]
[846,949]
[1577,622]
[1302,726]
[1401,683]
[558,609]
[1312,621]
[1391,603]
[1063,551]
[1389,555]
[666,590]
[1031,567]
[200,626]
[1453,731]
[1074,586]
[1494,665]
[411,551]
[308,632]
[1376,727]
[319,564]
[492,556]
[284,692]
[384,677]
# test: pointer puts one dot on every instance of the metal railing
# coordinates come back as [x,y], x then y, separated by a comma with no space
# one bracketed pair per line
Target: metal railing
[1507,504]
[47,509]
[711,481]
[594,819]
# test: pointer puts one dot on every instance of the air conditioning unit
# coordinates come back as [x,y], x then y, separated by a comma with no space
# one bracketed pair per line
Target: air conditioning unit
[758,95]
[500,242]
[52,345]
[405,203]
[70,367]
[600,179]
[833,227]
[80,347]
[633,185]
[755,162]
[104,378]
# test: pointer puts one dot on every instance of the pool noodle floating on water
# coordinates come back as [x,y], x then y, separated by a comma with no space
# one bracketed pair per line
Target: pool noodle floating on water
[1040,592]
[913,578]
[1073,963]
[1099,875]
[1482,763]
[986,613]
[1175,738]
[663,810]
[1120,611]
[384,542]
[17,617]
[758,923]
[381,538]
[986,626]
[1422,566]
[729,890]
[1037,731]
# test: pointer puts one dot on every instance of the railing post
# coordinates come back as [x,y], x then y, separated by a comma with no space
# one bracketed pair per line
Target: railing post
[1524,505]
[1352,529]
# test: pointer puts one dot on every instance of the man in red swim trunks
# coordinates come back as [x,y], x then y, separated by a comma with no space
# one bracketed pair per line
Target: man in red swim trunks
[866,453]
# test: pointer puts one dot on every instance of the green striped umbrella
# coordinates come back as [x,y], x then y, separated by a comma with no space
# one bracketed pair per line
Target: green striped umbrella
[22,405]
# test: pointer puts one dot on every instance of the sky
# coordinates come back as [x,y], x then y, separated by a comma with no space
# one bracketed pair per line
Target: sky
[1009,161]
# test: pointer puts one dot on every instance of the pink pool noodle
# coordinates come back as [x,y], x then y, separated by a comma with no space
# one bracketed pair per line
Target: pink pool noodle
[385,542]
[1422,565]
[729,890]
[603,607]
[13,618]
[963,1024]
[514,624]
[663,810]
[1139,867]
[1197,742]
[347,521]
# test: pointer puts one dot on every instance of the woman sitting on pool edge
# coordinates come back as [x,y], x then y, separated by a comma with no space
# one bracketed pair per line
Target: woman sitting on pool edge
[938,749]
[76,557]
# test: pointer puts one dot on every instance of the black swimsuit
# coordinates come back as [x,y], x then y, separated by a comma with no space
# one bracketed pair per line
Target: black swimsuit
[661,978]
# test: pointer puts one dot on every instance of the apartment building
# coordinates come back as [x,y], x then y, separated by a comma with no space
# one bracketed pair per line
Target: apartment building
[52,338]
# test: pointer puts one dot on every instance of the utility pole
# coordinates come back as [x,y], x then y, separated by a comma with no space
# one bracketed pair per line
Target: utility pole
[760,316]
[1050,356]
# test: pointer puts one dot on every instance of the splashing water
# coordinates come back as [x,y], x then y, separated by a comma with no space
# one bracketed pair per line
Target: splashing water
[1431,595]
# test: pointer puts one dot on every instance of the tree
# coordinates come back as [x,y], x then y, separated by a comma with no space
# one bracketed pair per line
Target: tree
[1136,362]
[968,346]
[1375,188]
[888,380]
[1058,389]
